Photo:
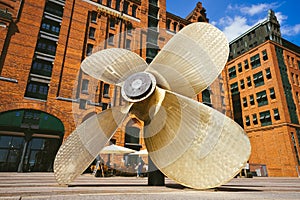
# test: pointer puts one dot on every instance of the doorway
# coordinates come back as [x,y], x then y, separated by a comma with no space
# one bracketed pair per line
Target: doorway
[29,141]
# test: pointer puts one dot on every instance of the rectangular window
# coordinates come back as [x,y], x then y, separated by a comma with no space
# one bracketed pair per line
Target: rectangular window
[129,28]
[118,3]
[106,90]
[54,9]
[92,33]
[240,68]
[134,9]
[293,78]
[128,44]
[265,55]
[249,82]
[108,3]
[246,64]
[272,93]
[254,116]
[242,84]
[247,120]
[41,67]
[99,1]
[255,61]
[169,27]
[249,37]
[232,72]
[153,23]
[37,90]
[268,73]
[258,79]
[112,23]
[153,2]
[46,46]
[82,104]
[265,118]
[50,26]
[234,88]
[276,114]
[125,7]
[245,104]
[261,98]
[151,52]
[206,97]
[104,106]
[94,17]
[84,86]
[252,102]
[111,39]
[293,60]
[89,49]
[298,64]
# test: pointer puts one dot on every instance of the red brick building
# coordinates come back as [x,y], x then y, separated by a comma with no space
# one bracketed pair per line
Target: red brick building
[43,92]
[262,76]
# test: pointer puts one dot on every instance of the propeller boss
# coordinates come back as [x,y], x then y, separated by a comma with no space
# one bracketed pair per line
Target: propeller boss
[138,86]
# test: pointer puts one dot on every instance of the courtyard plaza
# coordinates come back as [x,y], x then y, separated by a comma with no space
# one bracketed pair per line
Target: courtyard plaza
[86,186]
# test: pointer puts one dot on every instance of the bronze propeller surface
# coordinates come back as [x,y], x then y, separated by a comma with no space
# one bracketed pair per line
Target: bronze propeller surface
[188,141]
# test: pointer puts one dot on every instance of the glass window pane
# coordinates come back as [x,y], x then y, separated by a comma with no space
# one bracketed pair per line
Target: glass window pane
[5,141]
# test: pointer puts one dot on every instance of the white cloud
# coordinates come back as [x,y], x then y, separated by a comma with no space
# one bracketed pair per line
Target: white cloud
[214,23]
[253,9]
[290,30]
[247,16]
[281,17]
[234,27]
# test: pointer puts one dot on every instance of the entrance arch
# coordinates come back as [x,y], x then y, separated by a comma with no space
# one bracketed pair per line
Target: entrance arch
[29,140]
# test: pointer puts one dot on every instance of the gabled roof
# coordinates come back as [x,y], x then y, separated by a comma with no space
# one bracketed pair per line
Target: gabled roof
[198,9]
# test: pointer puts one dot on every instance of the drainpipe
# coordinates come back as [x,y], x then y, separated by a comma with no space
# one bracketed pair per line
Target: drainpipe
[65,51]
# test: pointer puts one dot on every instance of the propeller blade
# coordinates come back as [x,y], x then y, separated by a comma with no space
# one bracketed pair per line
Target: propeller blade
[85,143]
[113,65]
[191,60]
[192,143]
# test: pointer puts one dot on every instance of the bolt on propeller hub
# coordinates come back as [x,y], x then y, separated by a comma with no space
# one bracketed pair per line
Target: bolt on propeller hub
[138,87]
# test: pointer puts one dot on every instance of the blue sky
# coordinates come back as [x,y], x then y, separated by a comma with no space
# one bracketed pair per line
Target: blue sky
[234,17]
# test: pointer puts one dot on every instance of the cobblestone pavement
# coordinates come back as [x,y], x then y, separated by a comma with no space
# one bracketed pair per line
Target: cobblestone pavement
[43,186]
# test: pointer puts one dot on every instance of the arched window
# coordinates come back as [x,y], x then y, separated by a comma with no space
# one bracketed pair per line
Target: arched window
[168,24]
[200,19]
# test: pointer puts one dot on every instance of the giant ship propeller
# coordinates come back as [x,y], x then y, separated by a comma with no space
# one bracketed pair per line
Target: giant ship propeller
[191,143]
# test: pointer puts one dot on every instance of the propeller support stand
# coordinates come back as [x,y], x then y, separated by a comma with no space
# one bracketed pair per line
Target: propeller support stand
[137,88]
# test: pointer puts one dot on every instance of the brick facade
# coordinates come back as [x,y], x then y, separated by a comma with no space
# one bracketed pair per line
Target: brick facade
[77,28]
[263,89]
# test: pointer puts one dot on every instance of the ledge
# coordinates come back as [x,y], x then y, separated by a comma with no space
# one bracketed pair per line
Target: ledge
[8,79]
[67,99]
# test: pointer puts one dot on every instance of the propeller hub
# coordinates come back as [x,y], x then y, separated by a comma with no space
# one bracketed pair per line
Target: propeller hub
[138,86]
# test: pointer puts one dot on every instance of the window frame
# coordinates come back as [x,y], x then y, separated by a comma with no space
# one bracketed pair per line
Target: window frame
[255,61]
